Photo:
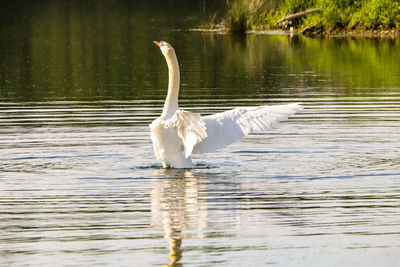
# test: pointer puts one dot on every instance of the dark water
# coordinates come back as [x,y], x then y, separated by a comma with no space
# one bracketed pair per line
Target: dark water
[79,185]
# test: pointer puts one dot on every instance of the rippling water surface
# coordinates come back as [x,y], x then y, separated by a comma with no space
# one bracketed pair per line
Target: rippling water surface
[80,185]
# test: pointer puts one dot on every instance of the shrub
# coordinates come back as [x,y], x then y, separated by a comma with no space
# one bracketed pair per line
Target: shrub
[377,13]
[338,13]
[294,6]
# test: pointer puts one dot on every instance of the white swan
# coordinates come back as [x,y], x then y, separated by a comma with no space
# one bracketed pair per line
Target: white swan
[177,134]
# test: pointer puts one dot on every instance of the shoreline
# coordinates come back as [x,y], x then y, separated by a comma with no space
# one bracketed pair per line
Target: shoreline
[315,32]
[356,33]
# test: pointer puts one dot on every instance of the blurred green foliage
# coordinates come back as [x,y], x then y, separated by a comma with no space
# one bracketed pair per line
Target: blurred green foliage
[336,14]
[377,14]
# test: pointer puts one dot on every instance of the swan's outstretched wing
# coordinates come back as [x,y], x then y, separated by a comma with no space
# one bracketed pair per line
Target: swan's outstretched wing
[225,128]
[191,129]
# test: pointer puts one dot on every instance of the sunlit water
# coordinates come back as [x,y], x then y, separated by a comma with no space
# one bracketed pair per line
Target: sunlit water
[79,184]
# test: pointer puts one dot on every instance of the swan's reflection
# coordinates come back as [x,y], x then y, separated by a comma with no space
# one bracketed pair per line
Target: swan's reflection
[177,205]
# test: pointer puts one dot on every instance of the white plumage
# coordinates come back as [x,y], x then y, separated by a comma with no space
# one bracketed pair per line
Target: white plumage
[177,134]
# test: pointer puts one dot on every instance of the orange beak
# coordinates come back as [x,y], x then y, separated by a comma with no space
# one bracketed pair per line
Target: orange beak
[156,43]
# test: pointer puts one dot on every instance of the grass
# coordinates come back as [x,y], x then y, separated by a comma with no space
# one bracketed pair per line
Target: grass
[247,14]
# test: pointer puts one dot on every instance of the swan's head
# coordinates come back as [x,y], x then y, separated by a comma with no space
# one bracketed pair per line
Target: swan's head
[165,47]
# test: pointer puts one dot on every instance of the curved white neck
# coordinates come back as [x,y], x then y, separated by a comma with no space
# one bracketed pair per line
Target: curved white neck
[171,103]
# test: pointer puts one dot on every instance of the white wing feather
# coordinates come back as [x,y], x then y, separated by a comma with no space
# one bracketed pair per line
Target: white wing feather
[191,129]
[225,128]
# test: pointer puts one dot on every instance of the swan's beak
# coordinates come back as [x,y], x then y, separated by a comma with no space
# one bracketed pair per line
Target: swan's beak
[157,43]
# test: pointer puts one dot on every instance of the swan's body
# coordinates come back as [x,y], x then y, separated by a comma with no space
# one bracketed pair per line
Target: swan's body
[177,134]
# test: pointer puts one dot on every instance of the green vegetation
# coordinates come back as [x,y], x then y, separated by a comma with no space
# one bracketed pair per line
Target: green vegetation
[245,14]
[335,15]
[377,13]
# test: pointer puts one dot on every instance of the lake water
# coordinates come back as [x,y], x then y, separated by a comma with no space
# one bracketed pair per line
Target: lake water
[80,186]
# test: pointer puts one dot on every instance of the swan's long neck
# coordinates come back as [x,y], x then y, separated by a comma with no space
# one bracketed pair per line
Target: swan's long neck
[171,103]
